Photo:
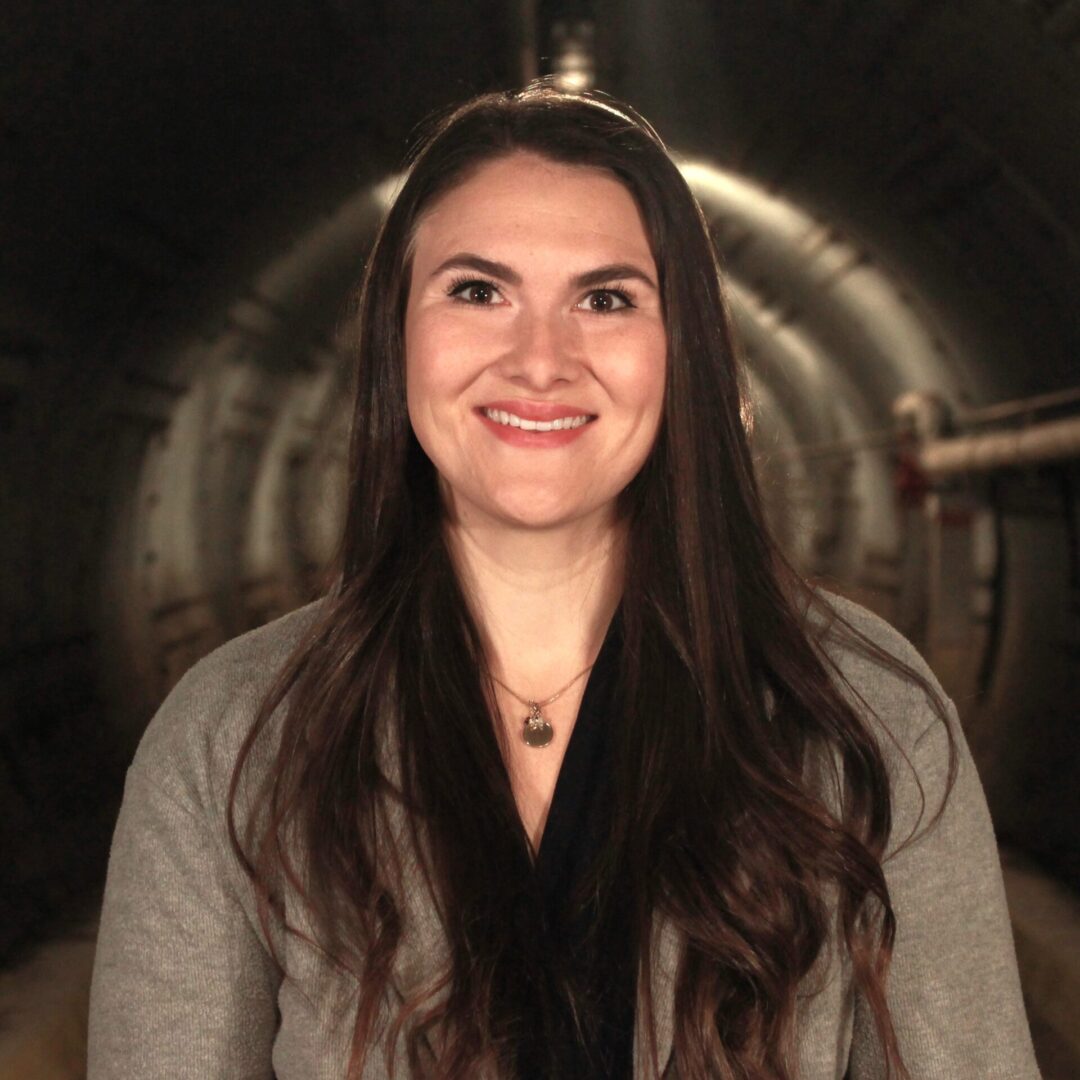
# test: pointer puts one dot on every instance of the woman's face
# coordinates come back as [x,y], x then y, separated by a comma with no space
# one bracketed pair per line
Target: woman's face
[534,342]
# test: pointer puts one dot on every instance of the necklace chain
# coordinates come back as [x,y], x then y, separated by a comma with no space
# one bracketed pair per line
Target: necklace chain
[533,704]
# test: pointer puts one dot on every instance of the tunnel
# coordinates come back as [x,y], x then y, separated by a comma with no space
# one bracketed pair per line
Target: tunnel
[187,197]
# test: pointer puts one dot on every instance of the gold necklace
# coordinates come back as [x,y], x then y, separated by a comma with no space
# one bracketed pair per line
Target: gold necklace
[537,731]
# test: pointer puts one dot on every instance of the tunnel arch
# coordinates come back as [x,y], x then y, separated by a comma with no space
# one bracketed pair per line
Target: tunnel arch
[833,334]
[217,544]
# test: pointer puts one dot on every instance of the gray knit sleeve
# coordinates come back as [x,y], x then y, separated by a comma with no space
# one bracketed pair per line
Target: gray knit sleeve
[953,988]
[183,984]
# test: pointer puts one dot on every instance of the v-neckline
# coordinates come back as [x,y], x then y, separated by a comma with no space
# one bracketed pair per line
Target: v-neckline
[584,763]
[569,926]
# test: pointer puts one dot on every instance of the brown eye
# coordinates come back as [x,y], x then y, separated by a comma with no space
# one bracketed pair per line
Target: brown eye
[474,292]
[603,301]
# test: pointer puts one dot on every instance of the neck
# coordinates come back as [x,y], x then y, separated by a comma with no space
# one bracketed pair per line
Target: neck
[542,598]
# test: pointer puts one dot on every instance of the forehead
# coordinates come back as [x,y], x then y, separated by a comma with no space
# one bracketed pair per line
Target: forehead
[527,198]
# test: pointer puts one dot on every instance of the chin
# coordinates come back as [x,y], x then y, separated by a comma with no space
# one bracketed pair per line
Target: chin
[546,510]
[530,503]
[538,521]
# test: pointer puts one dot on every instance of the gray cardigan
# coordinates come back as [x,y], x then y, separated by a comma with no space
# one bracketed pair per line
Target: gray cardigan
[184,985]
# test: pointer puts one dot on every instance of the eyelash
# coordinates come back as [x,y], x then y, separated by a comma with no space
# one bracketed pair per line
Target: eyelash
[625,294]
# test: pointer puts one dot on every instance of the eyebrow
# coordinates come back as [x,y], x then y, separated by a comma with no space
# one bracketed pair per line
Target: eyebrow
[465,260]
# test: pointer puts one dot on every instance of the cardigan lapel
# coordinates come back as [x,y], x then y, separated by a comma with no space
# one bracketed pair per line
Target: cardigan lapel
[667,951]
[422,960]
[423,954]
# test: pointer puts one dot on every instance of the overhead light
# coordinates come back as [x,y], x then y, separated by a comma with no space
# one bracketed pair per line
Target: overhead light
[573,63]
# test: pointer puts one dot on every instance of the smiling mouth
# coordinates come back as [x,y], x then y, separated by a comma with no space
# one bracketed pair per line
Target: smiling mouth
[563,423]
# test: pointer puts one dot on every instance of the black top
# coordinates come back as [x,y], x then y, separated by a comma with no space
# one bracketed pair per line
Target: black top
[593,946]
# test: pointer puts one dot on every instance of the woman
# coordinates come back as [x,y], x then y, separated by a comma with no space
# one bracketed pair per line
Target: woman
[569,775]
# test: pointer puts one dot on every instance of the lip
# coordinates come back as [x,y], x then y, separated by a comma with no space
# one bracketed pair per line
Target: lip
[535,410]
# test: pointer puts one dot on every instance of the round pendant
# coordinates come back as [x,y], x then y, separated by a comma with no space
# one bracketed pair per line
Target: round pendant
[537,731]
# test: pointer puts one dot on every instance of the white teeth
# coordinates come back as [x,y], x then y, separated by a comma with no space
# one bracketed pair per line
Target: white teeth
[563,423]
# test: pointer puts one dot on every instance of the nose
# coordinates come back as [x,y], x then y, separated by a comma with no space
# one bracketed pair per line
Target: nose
[546,351]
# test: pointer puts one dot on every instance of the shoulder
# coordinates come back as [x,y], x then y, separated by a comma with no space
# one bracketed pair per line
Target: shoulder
[192,740]
[900,700]
[874,662]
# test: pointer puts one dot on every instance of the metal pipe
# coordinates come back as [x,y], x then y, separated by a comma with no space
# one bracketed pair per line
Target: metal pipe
[1036,444]
[1005,410]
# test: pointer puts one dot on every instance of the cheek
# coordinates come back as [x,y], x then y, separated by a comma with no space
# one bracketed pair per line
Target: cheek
[440,356]
[437,374]
[644,377]
[422,390]
[427,369]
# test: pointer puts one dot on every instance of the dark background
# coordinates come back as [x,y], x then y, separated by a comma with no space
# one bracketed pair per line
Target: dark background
[187,192]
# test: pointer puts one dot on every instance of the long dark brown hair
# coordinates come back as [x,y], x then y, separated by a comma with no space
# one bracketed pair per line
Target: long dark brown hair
[725,697]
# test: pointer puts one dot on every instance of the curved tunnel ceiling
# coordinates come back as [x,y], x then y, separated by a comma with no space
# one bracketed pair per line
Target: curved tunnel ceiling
[188,200]
[217,543]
